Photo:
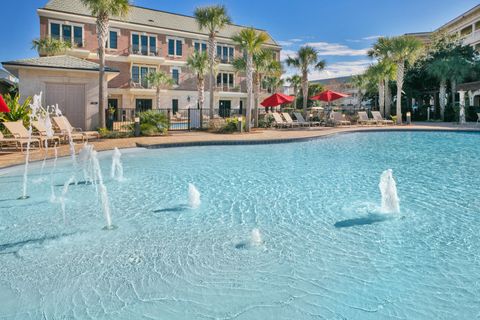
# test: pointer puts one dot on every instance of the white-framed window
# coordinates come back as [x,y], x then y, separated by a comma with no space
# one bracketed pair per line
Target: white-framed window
[66,31]
[175,46]
[200,46]
[175,73]
[139,74]
[226,80]
[144,44]
[225,53]
[113,35]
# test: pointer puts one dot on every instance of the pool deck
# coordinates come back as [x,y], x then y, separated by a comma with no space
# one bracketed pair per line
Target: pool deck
[179,139]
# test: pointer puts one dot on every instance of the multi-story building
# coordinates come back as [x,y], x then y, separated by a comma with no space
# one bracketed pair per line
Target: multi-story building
[149,40]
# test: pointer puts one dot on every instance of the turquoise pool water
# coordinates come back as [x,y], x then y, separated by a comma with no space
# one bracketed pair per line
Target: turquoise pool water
[327,252]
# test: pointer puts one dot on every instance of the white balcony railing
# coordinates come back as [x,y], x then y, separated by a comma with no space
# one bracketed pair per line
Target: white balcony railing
[472,38]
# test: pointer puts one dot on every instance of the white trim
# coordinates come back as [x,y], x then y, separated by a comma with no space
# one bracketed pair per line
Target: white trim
[108,40]
[175,39]
[67,23]
[148,35]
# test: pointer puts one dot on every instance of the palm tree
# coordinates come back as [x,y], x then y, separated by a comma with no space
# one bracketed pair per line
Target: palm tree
[103,10]
[198,63]
[213,19]
[265,65]
[306,58]
[251,42]
[159,80]
[360,82]
[381,73]
[272,83]
[50,47]
[295,81]
[400,50]
[440,69]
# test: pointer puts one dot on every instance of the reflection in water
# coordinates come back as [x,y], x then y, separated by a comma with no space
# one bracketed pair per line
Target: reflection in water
[367,220]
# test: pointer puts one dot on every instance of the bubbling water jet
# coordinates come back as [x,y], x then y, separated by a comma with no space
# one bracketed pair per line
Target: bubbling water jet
[256,238]
[388,189]
[193,196]
[116,171]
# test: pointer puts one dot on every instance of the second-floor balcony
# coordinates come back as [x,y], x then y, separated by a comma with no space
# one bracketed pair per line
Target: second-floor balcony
[144,51]
[227,88]
[472,38]
[225,59]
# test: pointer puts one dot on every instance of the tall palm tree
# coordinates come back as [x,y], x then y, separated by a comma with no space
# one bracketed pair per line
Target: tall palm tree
[264,65]
[50,47]
[159,80]
[440,69]
[103,10]
[295,81]
[198,63]
[400,50]
[212,19]
[360,82]
[381,73]
[251,42]
[307,57]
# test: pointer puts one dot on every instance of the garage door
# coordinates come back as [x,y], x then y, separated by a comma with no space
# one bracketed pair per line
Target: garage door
[70,99]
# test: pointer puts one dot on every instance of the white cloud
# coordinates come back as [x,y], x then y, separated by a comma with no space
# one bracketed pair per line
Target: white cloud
[284,54]
[336,49]
[341,69]
[285,43]
[372,37]
[296,40]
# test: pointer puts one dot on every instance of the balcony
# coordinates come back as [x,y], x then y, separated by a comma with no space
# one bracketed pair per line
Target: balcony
[472,38]
[221,88]
[225,59]
[141,54]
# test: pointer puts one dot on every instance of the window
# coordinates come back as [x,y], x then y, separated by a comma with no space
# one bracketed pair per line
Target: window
[176,76]
[143,105]
[225,53]
[174,105]
[477,25]
[175,47]
[144,44]
[140,73]
[113,40]
[200,46]
[69,33]
[225,79]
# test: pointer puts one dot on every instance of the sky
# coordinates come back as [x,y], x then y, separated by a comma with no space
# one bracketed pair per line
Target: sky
[342,30]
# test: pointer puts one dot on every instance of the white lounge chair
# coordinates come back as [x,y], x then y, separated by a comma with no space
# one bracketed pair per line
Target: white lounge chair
[339,119]
[18,143]
[279,121]
[363,119]
[42,131]
[290,121]
[378,117]
[64,125]
[18,131]
[302,120]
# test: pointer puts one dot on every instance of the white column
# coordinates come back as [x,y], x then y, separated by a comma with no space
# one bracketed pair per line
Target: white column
[462,107]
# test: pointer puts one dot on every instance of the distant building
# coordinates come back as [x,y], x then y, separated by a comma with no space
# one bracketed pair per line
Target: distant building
[7,81]
[341,84]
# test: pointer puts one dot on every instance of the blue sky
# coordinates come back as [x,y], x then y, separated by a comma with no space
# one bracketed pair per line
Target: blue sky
[341,30]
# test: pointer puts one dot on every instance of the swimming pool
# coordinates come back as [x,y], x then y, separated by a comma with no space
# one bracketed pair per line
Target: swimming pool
[324,252]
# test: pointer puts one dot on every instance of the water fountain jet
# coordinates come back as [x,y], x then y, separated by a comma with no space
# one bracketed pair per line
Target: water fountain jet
[116,171]
[193,196]
[388,189]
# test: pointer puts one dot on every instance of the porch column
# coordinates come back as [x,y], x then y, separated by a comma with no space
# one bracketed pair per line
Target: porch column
[461,118]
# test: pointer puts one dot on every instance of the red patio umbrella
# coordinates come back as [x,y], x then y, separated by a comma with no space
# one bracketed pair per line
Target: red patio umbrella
[329,95]
[3,105]
[276,100]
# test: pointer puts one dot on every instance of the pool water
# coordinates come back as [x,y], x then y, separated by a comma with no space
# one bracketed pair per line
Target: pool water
[325,251]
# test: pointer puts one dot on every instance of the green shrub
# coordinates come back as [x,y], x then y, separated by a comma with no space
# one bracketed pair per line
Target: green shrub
[18,111]
[153,123]
[227,125]
[266,122]
[107,134]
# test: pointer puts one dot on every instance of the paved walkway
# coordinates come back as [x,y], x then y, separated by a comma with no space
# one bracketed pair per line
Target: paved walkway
[186,138]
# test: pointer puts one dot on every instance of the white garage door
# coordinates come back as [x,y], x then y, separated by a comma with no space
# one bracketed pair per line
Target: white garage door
[70,99]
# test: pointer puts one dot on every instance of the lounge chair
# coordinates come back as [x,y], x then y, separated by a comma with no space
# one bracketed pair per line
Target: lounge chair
[290,121]
[378,117]
[339,119]
[364,119]
[17,142]
[64,125]
[279,121]
[42,130]
[301,119]
[18,131]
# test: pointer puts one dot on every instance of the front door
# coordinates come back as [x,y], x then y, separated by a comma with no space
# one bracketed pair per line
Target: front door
[224,108]
[142,105]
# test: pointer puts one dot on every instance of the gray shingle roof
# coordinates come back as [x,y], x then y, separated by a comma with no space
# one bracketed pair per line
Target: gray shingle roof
[59,62]
[149,17]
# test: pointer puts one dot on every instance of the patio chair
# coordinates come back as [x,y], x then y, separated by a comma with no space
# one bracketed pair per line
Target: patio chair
[339,119]
[279,121]
[17,142]
[301,119]
[378,117]
[18,131]
[290,121]
[64,125]
[363,119]
[42,130]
